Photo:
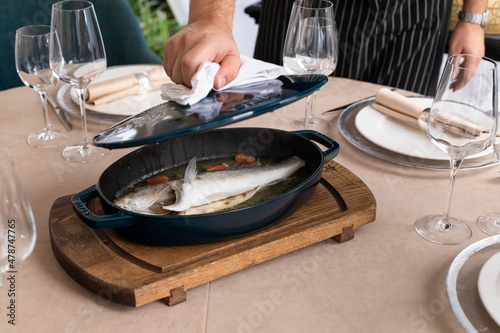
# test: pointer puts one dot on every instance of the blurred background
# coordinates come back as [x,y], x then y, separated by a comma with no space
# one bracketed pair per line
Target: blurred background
[160,19]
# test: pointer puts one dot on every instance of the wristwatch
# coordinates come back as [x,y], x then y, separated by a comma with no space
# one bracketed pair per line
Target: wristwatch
[480,19]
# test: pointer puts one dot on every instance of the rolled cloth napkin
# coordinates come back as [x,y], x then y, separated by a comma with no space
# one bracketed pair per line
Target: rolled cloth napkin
[413,113]
[251,71]
[128,85]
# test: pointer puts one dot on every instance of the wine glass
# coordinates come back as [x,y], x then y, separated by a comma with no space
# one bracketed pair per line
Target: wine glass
[311,48]
[489,223]
[462,121]
[77,57]
[33,67]
[17,230]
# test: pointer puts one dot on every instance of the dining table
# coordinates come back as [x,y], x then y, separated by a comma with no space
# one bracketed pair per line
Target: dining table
[385,279]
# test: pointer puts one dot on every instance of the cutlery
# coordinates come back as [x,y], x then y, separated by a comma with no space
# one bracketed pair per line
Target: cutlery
[60,113]
[345,106]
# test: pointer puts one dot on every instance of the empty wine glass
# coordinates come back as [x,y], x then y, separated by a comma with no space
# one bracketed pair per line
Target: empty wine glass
[33,67]
[311,48]
[17,229]
[77,57]
[489,223]
[462,122]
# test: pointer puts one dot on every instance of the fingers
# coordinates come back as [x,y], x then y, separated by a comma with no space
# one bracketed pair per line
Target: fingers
[464,68]
[228,71]
[187,65]
[457,74]
[182,56]
[172,56]
[469,68]
[467,38]
[194,44]
[455,61]
[460,81]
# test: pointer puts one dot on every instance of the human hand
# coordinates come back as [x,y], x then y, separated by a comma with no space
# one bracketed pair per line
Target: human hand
[467,38]
[196,43]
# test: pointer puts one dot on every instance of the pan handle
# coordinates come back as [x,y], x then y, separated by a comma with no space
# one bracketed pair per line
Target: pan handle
[118,219]
[332,147]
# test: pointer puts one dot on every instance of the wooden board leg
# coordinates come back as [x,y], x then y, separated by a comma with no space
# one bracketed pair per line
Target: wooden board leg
[177,295]
[346,235]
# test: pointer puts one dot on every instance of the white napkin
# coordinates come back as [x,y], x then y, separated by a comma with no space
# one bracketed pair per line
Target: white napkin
[413,113]
[251,71]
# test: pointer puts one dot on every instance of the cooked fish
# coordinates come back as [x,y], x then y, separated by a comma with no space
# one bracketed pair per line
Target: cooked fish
[144,197]
[208,189]
[196,190]
[220,204]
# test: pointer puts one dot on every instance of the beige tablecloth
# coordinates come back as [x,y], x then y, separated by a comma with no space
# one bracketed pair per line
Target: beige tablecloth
[387,279]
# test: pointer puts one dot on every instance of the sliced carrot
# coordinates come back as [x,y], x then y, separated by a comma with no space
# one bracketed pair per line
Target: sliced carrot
[157,180]
[215,167]
[244,159]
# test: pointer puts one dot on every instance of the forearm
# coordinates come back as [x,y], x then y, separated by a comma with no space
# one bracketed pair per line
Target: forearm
[218,12]
[475,6]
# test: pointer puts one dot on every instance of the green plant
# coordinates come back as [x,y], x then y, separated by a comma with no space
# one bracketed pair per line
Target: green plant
[156,21]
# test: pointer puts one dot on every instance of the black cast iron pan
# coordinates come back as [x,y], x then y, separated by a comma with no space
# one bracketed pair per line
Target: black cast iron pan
[196,229]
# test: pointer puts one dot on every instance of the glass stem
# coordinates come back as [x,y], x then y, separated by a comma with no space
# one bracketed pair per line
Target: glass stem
[46,122]
[455,165]
[81,98]
[310,102]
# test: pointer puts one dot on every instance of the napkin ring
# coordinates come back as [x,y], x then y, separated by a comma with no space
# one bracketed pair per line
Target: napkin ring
[144,82]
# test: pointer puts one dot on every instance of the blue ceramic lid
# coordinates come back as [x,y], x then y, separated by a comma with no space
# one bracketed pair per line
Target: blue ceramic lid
[170,119]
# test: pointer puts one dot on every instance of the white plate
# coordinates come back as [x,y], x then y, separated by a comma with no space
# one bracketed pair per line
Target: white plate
[126,106]
[488,285]
[398,137]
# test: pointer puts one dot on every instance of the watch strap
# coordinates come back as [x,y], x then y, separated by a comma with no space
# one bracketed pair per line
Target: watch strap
[480,19]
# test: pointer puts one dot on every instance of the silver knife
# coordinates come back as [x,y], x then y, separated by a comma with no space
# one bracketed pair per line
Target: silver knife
[60,113]
[341,108]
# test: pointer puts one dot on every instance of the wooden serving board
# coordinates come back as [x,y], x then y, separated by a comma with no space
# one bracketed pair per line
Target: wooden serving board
[134,274]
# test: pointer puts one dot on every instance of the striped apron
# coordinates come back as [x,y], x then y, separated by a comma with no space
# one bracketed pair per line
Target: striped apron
[394,43]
